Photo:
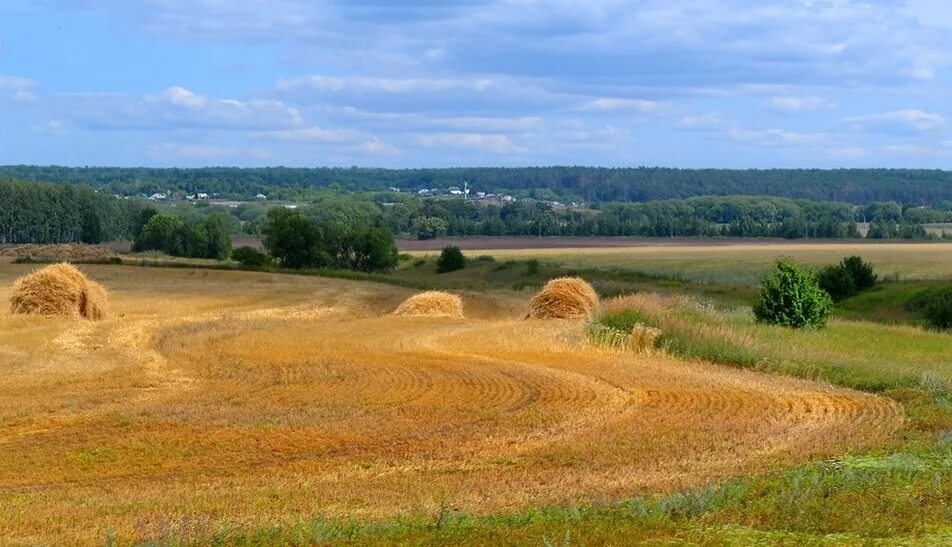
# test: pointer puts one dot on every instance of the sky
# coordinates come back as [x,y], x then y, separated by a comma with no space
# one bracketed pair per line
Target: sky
[431,83]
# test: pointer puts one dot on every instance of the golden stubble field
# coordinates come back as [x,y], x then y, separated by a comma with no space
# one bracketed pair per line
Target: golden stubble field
[258,399]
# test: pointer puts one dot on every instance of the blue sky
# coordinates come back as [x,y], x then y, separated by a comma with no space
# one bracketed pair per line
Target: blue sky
[692,83]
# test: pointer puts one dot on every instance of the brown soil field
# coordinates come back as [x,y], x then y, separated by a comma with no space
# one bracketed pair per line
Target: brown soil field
[259,399]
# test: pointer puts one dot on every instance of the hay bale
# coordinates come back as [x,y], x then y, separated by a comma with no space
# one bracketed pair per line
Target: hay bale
[564,298]
[96,303]
[431,304]
[58,290]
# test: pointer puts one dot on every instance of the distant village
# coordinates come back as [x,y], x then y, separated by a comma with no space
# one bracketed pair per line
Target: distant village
[463,192]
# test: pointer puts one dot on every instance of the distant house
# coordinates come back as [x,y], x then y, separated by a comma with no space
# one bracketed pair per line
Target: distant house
[480,195]
[202,195]
[423,191]
[158,196]
[261,196]
[290,206]
[395,189]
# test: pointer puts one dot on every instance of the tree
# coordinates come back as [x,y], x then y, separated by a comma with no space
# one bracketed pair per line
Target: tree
[162,232]
[791,297]
[860,272]
[217,238]
[374,250]
[451,259]
[295,240]
[430,227]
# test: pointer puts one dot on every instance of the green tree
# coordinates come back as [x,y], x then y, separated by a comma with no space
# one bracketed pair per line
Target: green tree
[217,238]
[164,233]
[791,297]
[430,227]
[295,240]
[374,250]
[451,259]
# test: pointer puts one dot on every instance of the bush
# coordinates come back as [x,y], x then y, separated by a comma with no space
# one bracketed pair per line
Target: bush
[837,282]
[792,297]
[532,266]
[250,257]
[861,272]
[451,259]
[938,308]
[485,258]
[851,276]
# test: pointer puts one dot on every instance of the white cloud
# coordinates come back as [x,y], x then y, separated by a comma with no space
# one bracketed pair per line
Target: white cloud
[16,88]
[376,147]
[913,119]
[311,134]
[176,108]
[170,150]
[772,137]
[795,105]
[640,105]
[385,85]
[498,144]
[709,121]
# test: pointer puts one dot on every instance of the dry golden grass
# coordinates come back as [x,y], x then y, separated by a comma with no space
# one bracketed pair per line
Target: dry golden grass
[58,290]
[431,304]
[60,251]
[745,262]
[564,298]
[201,400]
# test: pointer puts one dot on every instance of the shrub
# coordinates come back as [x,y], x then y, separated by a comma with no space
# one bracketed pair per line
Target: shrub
[485,258]
[792,297]
[532,267]
[851,276]
[861,272]
[451,259]
[938,308]
[250,257]
[837,282]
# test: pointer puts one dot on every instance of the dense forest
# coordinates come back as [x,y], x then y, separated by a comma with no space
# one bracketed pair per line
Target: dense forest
[49,213]
[55,213]
[589,184]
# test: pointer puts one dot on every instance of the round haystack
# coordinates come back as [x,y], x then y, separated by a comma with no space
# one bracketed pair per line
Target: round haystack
[564,298]
[431,304]
[58,290]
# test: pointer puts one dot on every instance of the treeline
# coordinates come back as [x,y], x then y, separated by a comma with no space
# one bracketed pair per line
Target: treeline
[55,213]
[731,216]
[590,184]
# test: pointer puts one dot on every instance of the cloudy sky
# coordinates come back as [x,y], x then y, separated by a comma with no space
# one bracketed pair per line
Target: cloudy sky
[687,83]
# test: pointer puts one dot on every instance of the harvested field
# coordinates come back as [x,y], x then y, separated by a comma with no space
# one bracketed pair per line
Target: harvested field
[261,399]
